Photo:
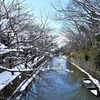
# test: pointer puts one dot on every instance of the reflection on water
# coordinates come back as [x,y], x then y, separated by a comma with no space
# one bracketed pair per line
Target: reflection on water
[59,84]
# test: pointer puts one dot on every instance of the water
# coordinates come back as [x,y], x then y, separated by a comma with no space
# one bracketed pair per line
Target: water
[59,84]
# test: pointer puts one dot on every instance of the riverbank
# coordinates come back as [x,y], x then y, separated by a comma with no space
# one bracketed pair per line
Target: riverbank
[57,83]
[12,86]
[95,80]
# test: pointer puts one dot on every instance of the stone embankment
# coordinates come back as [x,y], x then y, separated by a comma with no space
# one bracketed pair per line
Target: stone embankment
[87,68]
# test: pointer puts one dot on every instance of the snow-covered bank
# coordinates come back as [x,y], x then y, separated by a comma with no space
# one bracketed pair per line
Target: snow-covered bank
[24,84]
[6,78]
[93,79]
[64,57]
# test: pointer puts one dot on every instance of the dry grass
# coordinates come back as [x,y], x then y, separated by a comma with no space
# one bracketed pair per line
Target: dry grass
[87,66]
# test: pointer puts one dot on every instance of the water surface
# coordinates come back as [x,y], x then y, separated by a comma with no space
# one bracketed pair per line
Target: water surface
[59,84]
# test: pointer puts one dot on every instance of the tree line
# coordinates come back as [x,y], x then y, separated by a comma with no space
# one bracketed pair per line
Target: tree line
[81,24]
[23,34]
[26,42]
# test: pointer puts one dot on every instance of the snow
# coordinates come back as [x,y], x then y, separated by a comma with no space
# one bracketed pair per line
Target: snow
[17,69]
[6,78]
[93,79]
[61,41]
[2,46]
[4,50]
[21,67]
[97,13]
[87,81]
[45,69]
[64,57]
[3,23]
[26,84]
[94,92]
[80,1]
[23,85]
[26,47]
[98,33]
[36,59]
[97,19]
[29,81]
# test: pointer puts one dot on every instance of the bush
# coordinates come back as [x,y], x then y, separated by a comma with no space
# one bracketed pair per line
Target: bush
[73,54]
[96,60]
[67,52]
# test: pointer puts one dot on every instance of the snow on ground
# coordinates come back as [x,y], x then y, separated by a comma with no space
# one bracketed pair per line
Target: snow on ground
[23,85]
[6,78]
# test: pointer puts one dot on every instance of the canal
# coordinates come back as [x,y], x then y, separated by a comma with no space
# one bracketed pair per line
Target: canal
[62,82]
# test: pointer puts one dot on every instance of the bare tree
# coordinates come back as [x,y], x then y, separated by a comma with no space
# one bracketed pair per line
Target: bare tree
[24,43]
[81,20]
